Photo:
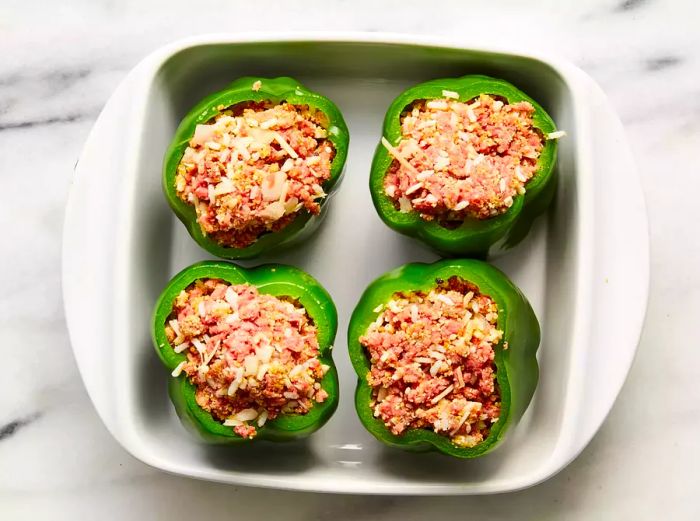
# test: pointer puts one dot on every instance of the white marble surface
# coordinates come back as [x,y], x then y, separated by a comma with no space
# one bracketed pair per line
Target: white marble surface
[60,62]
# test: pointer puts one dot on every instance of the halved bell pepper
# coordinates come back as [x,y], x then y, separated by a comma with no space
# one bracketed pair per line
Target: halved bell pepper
[273,279]
[516,365]
[242,90]
[475,236]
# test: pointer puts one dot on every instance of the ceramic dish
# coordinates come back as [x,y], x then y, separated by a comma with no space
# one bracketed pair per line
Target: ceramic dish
[122,243]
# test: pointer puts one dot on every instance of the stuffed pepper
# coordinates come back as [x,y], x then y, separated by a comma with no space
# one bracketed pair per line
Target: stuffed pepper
[445,356]
[251,167]
[464,163]
[249,351]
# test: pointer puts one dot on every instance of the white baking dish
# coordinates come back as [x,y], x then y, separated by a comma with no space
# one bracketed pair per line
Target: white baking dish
[584,266]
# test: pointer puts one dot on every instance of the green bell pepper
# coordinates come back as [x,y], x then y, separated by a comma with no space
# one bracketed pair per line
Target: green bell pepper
[473,237]
[275,90]
[273,279]
[516,365]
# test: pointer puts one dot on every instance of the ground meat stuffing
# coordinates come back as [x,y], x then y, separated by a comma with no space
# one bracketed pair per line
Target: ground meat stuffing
[251,356]
[432,362]
[457,160]
[254,168]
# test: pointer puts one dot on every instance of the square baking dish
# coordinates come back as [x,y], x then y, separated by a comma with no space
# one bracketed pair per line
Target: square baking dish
[122,244]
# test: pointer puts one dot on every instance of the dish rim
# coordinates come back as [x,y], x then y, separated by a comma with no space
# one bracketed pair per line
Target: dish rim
[576,81]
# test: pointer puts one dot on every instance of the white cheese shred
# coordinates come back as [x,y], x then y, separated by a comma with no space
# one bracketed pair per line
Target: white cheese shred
[397,155]
[178,370]
[444,393]
[556,135]
[285,146]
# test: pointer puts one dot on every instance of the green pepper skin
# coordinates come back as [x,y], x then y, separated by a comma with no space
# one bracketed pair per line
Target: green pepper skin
[275,90]
[474,237]
[516,367]
[273,279]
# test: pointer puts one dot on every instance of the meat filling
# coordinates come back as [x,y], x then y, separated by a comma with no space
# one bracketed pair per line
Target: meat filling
[251,356]
[253,168]
[432,362]
[458,160]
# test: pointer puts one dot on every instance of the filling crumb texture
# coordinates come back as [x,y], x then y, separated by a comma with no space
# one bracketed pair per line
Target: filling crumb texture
[432,362]
[253,168]
[461,159]
[251,356]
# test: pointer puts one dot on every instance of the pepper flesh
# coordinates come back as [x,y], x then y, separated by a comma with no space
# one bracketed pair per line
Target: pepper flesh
[516,364]
[474,237]
[252,89]
[273,279]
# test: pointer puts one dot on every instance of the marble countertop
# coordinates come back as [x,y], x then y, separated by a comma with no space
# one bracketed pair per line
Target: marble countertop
[61,61]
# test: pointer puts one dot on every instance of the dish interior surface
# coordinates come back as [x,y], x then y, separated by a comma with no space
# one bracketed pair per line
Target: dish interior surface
[350,250]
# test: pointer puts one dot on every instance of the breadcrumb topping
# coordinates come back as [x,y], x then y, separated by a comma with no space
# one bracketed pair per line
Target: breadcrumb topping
[432,362]
[254,168]
[251,356]
[461,159]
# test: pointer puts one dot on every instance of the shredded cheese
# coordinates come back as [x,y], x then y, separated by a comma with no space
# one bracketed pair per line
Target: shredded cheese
[444,393]
[285,146]
[556,135]
[397,155]
[178,370]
